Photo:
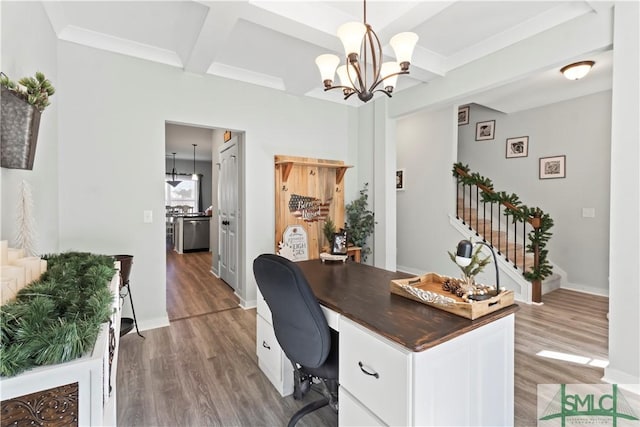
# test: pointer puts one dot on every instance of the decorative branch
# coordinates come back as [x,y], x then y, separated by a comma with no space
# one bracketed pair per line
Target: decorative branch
[519,212]
[26,231]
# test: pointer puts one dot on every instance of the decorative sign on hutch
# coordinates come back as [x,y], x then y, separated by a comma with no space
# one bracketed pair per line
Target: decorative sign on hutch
[307,192]
[294,244]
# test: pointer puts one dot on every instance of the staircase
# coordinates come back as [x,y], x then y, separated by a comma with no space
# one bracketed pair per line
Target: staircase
[516,232]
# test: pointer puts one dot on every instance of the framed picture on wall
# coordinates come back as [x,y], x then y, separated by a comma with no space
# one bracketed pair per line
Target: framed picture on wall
[400,179]
[485,130]
[463,115]
[517,147]
[553,167]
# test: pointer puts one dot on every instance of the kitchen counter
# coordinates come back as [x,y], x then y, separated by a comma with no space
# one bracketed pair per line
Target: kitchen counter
[191,232]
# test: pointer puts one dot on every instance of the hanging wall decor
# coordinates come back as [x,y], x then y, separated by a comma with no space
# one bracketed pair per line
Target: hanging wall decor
[22,106]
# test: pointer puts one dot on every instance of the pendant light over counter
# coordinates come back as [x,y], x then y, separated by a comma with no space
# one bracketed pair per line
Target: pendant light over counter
[173,181]
[194,177]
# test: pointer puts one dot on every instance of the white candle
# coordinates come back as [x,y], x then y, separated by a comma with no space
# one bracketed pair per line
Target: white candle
[13,272]
[4,252]
[32,267]
[15,254]
[8,289]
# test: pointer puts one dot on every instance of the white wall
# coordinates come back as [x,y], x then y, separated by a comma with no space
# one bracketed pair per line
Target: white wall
[99,126]
[580,129]
[624,262]
[25,50]
[426,149]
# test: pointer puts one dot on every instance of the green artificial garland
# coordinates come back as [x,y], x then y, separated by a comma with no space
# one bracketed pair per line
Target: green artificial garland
[56,318]
[519,213]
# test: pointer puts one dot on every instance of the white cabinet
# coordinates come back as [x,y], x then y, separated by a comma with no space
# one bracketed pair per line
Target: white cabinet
[87,383]
[467,380]
[375,371]
[271,359]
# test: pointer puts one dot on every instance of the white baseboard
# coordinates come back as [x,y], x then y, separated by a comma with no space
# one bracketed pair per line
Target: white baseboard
[586,289]
[247,305]
[625,381]
[409,270]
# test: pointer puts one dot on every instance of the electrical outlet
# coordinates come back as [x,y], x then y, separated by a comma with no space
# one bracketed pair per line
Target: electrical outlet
[148,217]
[588,212]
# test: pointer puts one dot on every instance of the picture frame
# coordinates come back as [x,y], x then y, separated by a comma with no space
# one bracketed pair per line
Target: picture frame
[485,130]
[463,115]
[400,180]
[553,167]
[517,147]
[339,244]
[227,136]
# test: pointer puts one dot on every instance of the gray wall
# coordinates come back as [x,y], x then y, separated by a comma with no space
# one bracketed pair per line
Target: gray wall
[24,53]
[202,168]
[581,130]
[426,150]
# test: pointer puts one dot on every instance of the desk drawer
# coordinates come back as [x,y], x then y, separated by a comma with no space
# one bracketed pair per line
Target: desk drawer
[352,413]
[267,348]
[375,372]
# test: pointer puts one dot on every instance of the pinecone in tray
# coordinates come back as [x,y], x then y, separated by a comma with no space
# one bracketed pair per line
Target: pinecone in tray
[451,285]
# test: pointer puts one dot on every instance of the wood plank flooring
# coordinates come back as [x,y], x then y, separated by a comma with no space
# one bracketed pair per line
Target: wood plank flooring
[192,290]
[202,370]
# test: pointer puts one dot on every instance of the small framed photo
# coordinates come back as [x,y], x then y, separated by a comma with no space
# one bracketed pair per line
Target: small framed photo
[463,115]
[517,147]
[227,136]
[339,244]
[553,167]
[400,179]
[485,130]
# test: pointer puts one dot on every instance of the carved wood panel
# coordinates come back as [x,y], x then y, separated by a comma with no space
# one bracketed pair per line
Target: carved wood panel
[55,407]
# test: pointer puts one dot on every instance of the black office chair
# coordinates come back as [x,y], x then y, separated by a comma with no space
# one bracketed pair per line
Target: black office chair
[300,328]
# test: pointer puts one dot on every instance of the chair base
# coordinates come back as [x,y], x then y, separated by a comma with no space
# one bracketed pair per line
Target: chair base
[306,410]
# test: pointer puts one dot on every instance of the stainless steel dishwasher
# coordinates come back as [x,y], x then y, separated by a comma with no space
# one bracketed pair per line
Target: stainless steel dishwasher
[195,235]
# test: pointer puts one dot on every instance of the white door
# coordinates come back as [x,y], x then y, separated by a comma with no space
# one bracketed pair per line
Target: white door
[228,212]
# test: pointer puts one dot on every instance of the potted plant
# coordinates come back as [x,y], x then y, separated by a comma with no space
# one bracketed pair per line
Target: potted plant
[360,222]
[22,106]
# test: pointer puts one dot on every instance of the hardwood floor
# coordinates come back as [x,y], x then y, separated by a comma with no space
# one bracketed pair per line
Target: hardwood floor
[192,290]
[202,370]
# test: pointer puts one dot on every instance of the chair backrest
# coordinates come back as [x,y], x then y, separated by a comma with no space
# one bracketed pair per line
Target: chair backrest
[298,322]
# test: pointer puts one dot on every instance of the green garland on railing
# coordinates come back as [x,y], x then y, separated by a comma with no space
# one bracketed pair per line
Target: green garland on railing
[537,237]
[56,318]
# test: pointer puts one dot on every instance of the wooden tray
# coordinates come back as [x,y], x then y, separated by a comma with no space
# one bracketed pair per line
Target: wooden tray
[432,283]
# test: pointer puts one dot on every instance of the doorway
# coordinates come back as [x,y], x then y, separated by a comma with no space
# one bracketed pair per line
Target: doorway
[193,285]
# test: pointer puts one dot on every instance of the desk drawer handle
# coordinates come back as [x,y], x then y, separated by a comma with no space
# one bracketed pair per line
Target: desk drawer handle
[265,345]
[373,374]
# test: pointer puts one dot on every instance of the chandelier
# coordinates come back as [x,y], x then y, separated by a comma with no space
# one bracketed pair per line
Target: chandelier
[364,72]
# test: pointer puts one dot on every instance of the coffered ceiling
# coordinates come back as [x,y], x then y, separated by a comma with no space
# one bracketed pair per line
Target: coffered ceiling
[274,43]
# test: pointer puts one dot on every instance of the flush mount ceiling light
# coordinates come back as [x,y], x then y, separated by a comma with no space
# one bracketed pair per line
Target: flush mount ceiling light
[173,181]
[194,177]
[577,70]
[364,72]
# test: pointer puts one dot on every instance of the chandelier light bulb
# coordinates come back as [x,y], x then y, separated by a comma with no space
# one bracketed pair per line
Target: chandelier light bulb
[327,64]
[403,45]
[389,72]
[351,34]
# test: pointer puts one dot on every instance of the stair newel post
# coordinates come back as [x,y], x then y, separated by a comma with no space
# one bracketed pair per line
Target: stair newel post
[524,244]
[458,198]
[536,284]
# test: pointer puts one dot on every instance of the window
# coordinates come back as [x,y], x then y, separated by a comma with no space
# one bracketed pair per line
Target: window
[183,194]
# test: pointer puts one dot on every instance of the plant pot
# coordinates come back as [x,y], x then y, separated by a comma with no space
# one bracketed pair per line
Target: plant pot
[19,131]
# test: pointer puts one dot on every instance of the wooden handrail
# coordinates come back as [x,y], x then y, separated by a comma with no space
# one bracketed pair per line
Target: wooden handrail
[535,220]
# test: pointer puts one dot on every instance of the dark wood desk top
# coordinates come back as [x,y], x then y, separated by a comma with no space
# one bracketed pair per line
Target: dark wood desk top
[361,293]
